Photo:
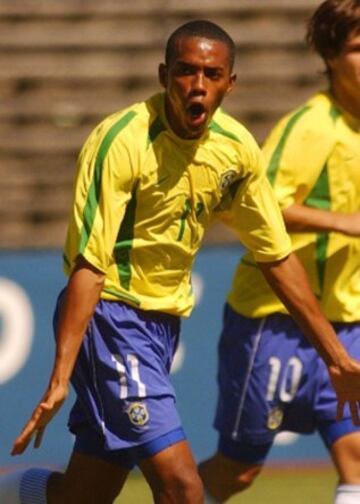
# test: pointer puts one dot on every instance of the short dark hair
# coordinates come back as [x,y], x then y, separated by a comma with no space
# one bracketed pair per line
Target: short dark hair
[330,26]
[199,28]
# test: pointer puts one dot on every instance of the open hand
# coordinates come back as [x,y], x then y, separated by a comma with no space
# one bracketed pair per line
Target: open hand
[346,383]
[41,416]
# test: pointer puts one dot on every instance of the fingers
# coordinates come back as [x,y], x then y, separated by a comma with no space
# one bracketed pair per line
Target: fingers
[35,426]
[20,445]
[39,436]
[42,415]
[22,441]
[340,409]
[354,408]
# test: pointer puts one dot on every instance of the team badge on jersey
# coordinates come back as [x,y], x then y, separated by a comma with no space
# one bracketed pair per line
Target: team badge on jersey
[275,418]
[227,179]
[138,413]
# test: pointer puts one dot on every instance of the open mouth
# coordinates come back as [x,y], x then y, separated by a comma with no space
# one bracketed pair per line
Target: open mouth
[196,110]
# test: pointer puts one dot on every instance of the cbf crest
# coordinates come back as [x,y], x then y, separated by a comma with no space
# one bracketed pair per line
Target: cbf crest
[227,178]
[275,417]
[138,414]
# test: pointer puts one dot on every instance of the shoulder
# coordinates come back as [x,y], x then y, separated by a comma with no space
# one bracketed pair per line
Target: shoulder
[316,117]
[127,126]
[230,128]
[233,137]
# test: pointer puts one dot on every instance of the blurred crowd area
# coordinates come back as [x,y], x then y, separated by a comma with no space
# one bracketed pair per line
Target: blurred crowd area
[64,65]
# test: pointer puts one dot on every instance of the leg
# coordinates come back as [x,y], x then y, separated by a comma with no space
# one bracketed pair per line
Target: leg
[172,475]
[342,438]
[87,480]
[224,477]
[345,453]
[233,468]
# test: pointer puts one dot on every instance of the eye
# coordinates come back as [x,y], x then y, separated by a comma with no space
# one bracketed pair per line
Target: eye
[184,69]
[213,73]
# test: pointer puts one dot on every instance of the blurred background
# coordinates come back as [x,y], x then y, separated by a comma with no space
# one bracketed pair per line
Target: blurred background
[63,67]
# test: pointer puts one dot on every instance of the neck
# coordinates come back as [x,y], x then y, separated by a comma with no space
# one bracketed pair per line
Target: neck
[347,100]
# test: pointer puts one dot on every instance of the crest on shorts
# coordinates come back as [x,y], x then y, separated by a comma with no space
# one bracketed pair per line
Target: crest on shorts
[227,179]
[138,413]
[275,417]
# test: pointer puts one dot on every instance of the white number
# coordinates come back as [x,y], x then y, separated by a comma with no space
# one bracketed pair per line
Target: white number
[134,372]
[292,375]
[275,365]
[294,366]
[120,368]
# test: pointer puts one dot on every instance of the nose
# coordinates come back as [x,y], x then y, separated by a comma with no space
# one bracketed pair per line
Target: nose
[198,86]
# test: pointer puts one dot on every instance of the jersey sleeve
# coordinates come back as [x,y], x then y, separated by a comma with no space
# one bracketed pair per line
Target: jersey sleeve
[295,154]
[256,217]
[103,187]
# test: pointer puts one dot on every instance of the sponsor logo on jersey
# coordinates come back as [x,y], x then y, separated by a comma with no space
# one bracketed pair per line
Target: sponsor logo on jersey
[227,179]
[275,418]
[138,413]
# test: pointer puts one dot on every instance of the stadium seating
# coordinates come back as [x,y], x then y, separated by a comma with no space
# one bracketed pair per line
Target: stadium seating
[65,65]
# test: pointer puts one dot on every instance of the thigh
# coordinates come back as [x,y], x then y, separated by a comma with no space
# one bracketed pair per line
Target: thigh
[122,376]
[166,463]
[345,452]
[170,469]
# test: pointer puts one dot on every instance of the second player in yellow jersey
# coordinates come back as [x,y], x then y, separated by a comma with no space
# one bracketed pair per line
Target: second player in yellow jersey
[325,175]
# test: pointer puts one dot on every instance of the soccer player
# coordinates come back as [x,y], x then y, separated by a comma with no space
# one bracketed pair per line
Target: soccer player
[150,179]
[270,379]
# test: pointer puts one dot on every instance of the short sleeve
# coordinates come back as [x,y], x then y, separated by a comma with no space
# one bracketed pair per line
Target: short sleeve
[103,187]
[256,217]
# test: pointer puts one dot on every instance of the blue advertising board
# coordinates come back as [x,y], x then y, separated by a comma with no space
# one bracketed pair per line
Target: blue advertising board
[29,285]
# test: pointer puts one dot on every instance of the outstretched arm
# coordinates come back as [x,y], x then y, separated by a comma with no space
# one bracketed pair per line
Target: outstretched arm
[82,294]
[304,219]
[289,281]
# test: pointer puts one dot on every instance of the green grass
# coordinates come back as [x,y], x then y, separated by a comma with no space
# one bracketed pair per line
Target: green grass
[274,486]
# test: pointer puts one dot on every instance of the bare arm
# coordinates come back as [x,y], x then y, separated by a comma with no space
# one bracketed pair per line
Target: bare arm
[302,219]
[289,281]
[82,294]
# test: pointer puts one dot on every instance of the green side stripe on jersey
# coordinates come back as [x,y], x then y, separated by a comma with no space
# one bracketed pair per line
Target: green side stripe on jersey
[66,261]
[123,295]
[216,128]
[320,198]
[95,187]
[334,113]
[124,242]
[154,131]
[275,158]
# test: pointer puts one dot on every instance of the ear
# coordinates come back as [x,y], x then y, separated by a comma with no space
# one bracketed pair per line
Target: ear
[331,63]
[162,73]
[232,81]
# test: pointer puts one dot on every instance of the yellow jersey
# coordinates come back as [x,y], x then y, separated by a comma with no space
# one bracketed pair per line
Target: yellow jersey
[143,198]
[313,159]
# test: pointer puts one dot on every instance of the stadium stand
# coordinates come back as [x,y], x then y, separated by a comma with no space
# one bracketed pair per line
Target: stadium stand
[65,65]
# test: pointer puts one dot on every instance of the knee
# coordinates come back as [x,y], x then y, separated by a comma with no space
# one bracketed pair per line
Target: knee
[184,487]
[190,487]
[246,477]
[224,477]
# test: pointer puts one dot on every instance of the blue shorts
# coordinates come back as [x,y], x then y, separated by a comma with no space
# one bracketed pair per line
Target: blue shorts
[124,397]
[270,380]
